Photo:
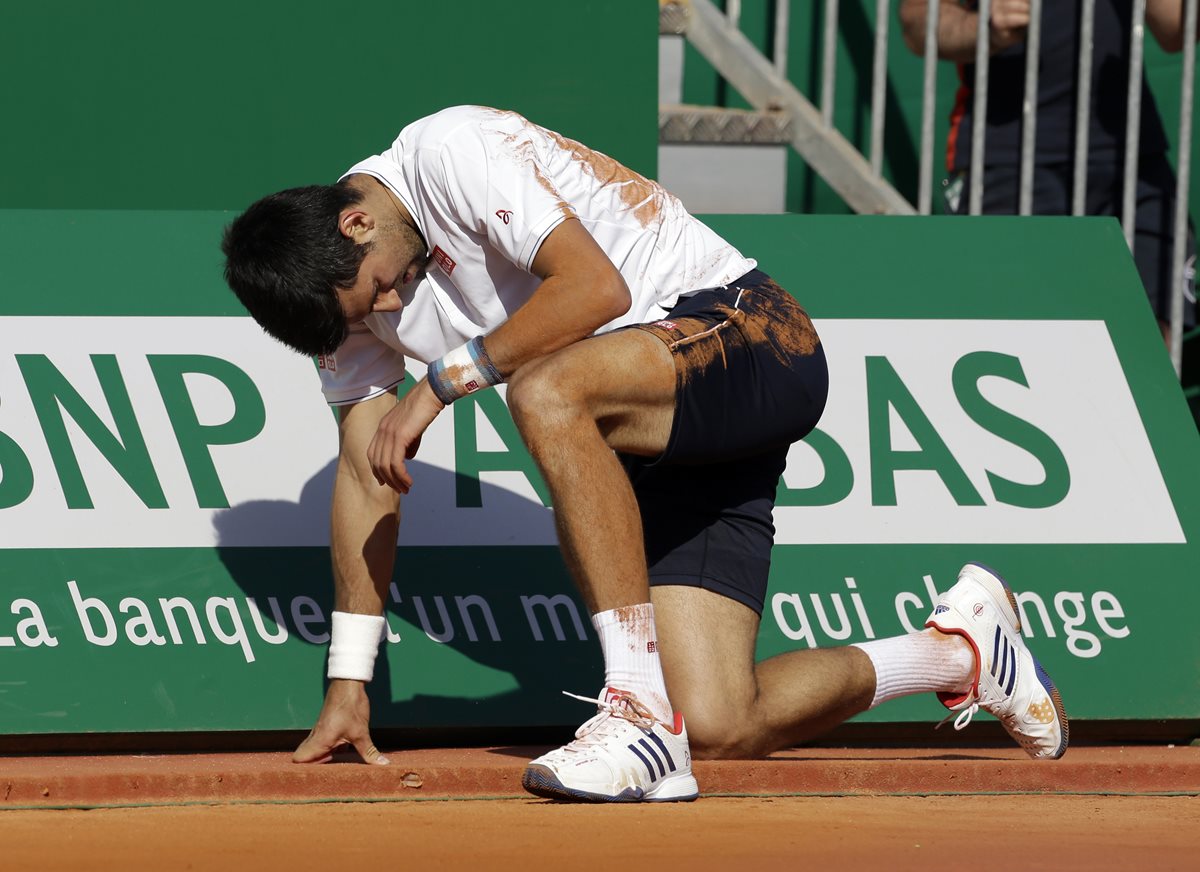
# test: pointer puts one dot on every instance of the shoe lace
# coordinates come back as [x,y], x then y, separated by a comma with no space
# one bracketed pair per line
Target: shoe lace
[962,718]
[620,704]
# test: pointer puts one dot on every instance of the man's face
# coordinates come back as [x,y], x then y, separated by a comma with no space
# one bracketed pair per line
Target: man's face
[397,258]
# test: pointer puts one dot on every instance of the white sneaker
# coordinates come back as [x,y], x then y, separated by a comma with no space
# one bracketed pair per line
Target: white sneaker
[1009,682]
[623,754]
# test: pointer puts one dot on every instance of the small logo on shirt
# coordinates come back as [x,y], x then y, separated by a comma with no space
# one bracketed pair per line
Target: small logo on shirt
[504,215]
[327,362]
[668,325]
[651,647]
[445,261]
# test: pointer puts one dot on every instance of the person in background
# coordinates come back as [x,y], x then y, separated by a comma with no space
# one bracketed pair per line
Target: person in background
[1054,147]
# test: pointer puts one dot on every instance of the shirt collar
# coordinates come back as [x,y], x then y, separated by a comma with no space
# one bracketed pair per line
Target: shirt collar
[383,169]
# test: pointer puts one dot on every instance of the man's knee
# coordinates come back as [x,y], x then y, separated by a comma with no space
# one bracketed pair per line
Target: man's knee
[708,647]
[536,397]
[720,735]
[719,726]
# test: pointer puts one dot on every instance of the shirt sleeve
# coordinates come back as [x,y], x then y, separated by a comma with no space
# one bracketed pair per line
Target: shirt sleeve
[495,181]
[362,367]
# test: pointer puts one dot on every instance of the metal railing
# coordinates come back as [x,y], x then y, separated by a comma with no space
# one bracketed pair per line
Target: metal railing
[762,84]
[850,181]
[1084,73]
[1183,179]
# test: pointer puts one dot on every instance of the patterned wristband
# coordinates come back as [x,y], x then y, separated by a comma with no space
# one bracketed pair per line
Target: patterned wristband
[463,371]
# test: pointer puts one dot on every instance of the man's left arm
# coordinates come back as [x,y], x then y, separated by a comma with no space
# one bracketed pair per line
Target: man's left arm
[1165,20]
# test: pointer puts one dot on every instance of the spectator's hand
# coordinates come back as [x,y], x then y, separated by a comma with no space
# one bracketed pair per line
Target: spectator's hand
[1010,19]
[344,720]
[399,436]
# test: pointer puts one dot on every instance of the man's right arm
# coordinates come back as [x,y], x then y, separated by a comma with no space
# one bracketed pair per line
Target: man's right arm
[958,28]
[365,519]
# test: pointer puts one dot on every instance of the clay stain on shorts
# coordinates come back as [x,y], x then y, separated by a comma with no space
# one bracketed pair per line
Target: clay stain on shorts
[702,344]
[776,319]
[773,320]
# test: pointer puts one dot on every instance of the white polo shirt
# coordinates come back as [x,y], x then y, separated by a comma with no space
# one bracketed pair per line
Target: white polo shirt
[485,188]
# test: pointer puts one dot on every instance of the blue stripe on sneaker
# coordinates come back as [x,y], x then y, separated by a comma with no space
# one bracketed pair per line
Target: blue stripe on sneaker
[645,762]
[995,650]
[1012,679]
[661,770]
[1006,662]
[662,747]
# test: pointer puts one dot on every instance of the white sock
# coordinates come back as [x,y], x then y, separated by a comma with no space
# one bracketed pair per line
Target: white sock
[630,645]
[919,663]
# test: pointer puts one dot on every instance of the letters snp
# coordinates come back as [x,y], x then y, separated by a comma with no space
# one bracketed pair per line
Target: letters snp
[54,399]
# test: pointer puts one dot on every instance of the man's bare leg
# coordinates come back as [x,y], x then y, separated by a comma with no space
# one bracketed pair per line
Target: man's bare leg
[617,391]
[737,708]
[573,409]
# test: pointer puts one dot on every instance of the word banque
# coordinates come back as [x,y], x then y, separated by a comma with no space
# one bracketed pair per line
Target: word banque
[815,619]
[245,622]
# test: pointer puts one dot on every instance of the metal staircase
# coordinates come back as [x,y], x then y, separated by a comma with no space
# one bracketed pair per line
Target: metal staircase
[781,115]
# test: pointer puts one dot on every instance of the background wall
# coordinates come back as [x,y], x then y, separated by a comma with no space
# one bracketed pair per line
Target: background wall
[140,105]
[165,477]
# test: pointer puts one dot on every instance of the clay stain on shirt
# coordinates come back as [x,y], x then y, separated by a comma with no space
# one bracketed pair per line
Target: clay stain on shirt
[643,198]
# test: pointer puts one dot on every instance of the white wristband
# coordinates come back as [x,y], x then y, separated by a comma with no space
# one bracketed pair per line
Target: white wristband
[353,644]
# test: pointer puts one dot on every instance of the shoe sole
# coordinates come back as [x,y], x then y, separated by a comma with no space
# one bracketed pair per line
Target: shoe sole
[541,781]
[989,579]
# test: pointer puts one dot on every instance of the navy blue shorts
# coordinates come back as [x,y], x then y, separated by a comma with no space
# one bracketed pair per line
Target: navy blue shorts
[751,379]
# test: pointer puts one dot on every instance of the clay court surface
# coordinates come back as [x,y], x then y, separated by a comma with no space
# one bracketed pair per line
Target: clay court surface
[1098,808]
[716,833]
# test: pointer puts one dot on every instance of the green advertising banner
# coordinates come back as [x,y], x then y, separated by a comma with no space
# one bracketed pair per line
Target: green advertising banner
[999,393]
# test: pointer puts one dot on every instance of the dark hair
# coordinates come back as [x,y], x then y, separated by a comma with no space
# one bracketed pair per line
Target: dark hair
[285,258]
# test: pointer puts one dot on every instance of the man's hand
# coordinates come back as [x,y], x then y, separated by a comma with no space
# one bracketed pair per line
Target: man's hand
[958,27]
[1010,20]
[1165,20]
[399,436]
[344,720]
